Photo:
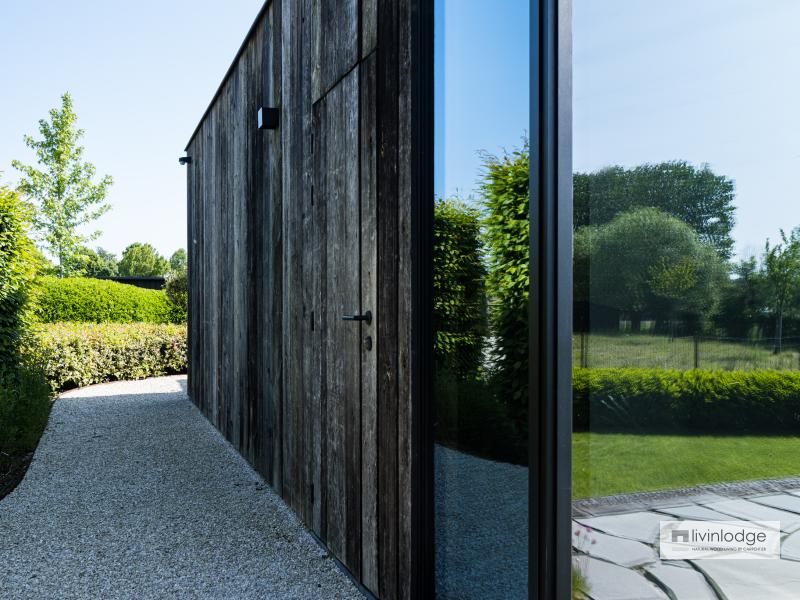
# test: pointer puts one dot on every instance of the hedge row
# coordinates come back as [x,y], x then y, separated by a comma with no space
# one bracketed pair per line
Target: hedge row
[666,401]
[79,354]
[87,300]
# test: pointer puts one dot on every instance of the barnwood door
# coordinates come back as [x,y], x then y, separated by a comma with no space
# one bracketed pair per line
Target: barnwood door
[343,187]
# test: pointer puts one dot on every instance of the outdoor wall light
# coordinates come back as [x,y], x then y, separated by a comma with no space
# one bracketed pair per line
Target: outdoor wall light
[185,160]
[268,118]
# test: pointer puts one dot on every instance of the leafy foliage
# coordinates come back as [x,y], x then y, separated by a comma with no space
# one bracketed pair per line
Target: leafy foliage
[697,196]
[460,318]
[782,277]
[96,301]
[647,262]
[669,401]
[178,261]
[177,290]
[505,191]
[63,189]
[96,263]
[79,354]
[17,270]
[142,260]
[24,405]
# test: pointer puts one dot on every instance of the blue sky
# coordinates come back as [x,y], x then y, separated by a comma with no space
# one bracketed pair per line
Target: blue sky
[708,81]
[711,81]
[141,74]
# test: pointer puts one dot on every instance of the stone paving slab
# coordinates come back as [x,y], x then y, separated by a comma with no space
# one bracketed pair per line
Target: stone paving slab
[626,553]
[790,547]
[642,526]
[695,512]
[754,579]
[684,583]
[751,511]
[612,582]
[133,494]
[786,502]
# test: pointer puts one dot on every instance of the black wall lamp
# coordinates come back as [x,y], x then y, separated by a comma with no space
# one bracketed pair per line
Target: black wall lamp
[185,160]
[268,118]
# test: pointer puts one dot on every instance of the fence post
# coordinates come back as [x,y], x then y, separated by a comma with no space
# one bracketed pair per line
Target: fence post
[696,351]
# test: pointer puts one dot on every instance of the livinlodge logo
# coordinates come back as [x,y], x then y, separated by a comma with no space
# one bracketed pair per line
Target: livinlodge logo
[683,540]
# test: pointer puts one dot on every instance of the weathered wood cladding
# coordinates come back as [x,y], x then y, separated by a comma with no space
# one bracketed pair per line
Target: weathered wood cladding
[290,229]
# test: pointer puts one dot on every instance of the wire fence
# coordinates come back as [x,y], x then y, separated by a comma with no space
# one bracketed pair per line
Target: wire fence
[684,353]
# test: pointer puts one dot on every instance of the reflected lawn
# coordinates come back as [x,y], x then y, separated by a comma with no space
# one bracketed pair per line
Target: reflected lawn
[606,464]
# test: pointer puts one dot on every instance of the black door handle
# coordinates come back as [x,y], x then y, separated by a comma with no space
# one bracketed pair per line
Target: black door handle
[365,317]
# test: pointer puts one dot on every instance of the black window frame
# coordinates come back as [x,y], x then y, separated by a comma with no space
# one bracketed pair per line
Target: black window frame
[550,366]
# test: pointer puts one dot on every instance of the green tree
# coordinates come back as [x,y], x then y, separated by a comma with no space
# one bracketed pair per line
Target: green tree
[647,262]
[178,260]
[744,300]
[505,193]
[142,260]
[782,275]
[97,263]
[459,273]
[696,196]
[18,264]
[62,186]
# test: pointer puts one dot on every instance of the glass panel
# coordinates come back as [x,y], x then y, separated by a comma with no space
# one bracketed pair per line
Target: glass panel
[686,347]
[481,300]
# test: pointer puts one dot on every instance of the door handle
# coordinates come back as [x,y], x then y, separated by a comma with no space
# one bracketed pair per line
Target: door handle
[367,316]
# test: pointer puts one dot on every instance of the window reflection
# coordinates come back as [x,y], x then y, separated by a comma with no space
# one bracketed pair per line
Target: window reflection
[686,347]
[480,299]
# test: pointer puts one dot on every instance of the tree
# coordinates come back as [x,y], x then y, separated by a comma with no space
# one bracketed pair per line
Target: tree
[178,260]
[696,196]
[647,262]
[97,263]
[17,271]
[744,299]
[507,234]
[782,273]
[63,188]
[142,260]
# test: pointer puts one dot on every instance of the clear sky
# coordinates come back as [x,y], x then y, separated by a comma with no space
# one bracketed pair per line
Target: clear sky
[707,81]
[141,74]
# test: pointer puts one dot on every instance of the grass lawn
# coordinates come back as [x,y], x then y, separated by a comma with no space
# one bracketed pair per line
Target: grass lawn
[658,351]
[606,464]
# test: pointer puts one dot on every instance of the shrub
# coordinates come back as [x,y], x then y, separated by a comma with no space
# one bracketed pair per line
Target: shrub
[24,406]
[97,301]
[459,293]
[505,191]
[666,401]
[75,355]
[17,269]
[177,290]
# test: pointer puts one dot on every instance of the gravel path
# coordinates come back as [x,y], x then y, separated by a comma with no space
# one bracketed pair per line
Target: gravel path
[133,494]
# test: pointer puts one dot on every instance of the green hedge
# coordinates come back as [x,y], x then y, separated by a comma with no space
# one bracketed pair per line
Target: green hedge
[87,300]
[79,354]
[666,401]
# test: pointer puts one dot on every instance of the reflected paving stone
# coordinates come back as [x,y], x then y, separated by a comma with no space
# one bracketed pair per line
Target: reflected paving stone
[753,579]
[642,525]
[628,553]
[790,547]
[695,512]
[612,582]
[782,501]
[684,583]
[750,511]
[794,492]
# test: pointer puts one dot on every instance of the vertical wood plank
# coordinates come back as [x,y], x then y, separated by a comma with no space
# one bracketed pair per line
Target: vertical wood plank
[369,369]
[335,43]
[369,26]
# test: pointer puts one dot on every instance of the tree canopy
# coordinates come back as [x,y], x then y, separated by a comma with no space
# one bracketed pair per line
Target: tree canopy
[697,196]
[62,186]
[142,260]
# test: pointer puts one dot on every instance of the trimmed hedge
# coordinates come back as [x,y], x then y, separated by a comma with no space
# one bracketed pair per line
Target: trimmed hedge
[666,401]
[75,355]
[87,300]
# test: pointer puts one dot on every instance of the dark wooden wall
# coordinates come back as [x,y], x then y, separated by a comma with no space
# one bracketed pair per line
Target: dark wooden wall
[285,226]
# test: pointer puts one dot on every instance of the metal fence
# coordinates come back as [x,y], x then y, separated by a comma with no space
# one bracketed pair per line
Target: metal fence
[683,353]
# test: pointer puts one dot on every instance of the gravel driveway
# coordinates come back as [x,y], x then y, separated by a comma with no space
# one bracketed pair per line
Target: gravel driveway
[133,494]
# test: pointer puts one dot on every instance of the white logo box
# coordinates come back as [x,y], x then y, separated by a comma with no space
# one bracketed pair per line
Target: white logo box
[753,540]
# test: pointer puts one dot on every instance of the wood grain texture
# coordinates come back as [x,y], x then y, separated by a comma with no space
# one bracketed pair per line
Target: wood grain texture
[290,229]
